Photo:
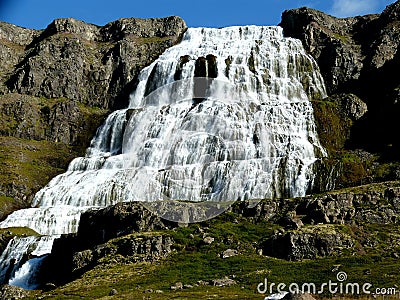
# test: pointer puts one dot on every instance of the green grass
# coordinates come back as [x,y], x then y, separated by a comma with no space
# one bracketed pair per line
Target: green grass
[334,130]
[28,165]
[5,201]
[131,280]
[378,187]
[343,38]
[32,159]
[229,231]
[18,231]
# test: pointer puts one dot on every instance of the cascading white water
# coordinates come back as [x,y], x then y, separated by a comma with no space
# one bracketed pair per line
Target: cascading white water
[253,136]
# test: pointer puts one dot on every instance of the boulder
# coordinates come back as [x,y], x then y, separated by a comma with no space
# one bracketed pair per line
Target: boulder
[208,240]
[225,281]
[229,253]
[310,243]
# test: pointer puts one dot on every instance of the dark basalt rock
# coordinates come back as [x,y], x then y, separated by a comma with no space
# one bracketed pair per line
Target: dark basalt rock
[298,245]
[377,205]
[357,55]
[135,248]
[326,214]
[182,61]
[99,226]
[90,64]
[206,66]
[112,231]
[330,41]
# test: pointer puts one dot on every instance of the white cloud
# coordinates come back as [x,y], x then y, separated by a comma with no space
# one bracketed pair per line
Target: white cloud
[349,8]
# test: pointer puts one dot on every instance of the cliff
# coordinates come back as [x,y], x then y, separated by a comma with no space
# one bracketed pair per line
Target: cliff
[57,86]
[357,56]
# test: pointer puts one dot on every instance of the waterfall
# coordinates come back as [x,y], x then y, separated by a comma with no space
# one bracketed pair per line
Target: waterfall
[223,116]
[16,267]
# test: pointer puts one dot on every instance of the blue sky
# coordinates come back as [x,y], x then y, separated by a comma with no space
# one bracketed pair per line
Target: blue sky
[208,13]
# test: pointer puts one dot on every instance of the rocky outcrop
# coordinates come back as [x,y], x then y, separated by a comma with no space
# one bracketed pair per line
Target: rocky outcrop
[132,248]
[359,56]
[321,232]
[335,117]
[99,226]
[125,229]
[319,241]
[59,120]
[8,292]
[331,42]
[375,203]
[93,65]
[57,86]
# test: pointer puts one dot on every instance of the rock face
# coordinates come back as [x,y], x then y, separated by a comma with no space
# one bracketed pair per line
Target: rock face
[124,218]
[330,41]
[90,64]
[379,204]
[128,230]
[136,248]
[59,84]
[307,244]
[327,214]
[359,56]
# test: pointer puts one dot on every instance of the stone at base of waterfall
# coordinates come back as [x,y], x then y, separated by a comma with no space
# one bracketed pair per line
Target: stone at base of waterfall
[113,292]
[13,292]
[229,253]
[308,243]
[177,286]
[290,296]
[208,240]
[277,296]
[223,282]
[299,296]
[188,286]
[291,221]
